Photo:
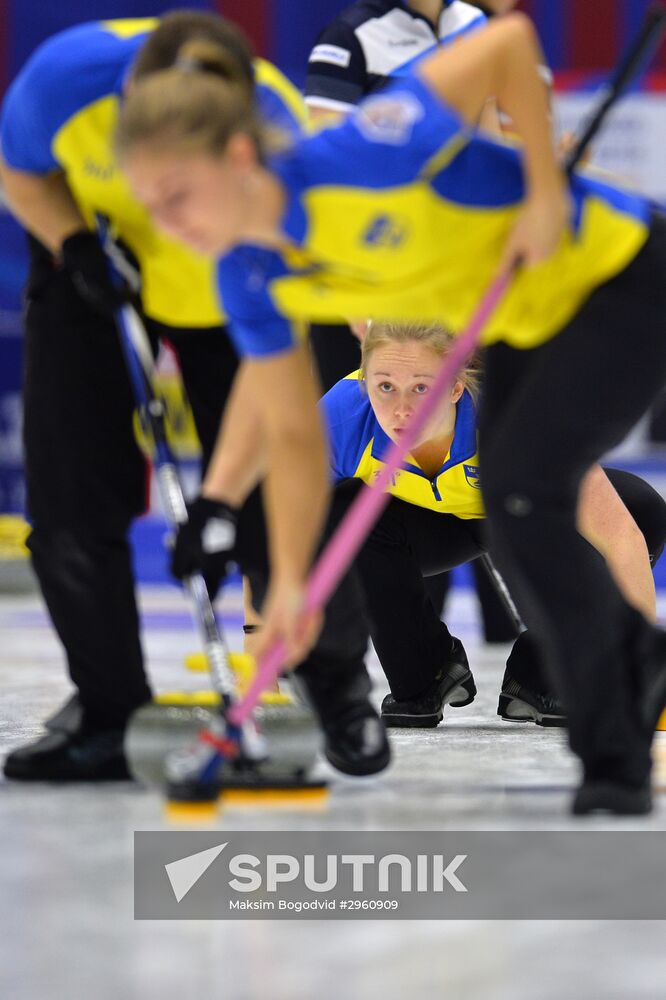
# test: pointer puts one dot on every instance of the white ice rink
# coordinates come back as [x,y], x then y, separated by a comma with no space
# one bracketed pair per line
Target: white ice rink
[66,861]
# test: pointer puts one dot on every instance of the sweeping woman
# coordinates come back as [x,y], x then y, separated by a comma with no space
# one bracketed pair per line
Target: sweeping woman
[403,212]
[86,477]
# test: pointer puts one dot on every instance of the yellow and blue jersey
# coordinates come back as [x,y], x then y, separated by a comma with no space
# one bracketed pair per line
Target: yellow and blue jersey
[357,446]
[61,114]
[402,213]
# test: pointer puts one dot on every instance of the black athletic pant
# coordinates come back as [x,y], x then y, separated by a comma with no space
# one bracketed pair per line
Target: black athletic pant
[497,623]
[410,543]
[87,479]
[648,509]
[407,544]
[548,415]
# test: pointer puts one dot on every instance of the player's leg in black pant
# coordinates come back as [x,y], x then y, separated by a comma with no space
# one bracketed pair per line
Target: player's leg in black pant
[526,692]
[497,623]
[86,480]
[425,665]
[208,365]
[333,675]
[438,588]
[548,415]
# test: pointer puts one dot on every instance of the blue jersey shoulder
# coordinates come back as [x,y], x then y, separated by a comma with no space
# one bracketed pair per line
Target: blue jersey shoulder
[65,74]
[387,141]
[350,423]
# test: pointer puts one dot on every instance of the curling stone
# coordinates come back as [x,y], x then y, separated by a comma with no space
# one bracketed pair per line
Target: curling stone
[291,732]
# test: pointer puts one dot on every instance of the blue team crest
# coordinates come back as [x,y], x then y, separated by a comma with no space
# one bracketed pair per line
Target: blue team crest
[386,231]
[473,476]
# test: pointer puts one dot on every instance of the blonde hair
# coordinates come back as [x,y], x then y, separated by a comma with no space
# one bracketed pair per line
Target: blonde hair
[195,105]
[435,337]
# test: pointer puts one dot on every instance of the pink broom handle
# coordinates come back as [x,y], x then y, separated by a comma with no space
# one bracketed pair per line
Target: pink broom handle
[350,535]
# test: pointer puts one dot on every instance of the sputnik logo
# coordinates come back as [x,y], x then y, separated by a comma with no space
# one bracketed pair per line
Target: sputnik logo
[186,872]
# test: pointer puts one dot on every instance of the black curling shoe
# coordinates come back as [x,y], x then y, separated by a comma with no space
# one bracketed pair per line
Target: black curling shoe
[357,743]
[355,737]
[70,751]
[612,797]
[518,703]
[454,686]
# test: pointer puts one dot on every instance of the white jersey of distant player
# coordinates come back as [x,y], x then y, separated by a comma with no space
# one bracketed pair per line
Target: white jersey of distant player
[393,42]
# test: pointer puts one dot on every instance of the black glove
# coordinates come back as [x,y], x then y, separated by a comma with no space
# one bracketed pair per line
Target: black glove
[86,261]
[205,543]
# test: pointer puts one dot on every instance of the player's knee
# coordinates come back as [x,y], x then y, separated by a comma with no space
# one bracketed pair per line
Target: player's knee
[508,492]
[516,487]
[646,506]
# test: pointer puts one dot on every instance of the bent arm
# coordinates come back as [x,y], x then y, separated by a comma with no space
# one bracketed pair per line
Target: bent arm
[43,204]
[502,61]
[607,525]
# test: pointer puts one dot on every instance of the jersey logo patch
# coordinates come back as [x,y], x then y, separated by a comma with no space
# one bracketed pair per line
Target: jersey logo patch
[102,172]
[385,231]
[473,476]
[332,54]
[389,119]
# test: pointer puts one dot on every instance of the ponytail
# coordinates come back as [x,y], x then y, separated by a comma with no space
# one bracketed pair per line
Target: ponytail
[180,27]
[201,56]
[197,99]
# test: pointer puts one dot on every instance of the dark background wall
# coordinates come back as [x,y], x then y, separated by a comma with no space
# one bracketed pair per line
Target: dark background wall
[577,34]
